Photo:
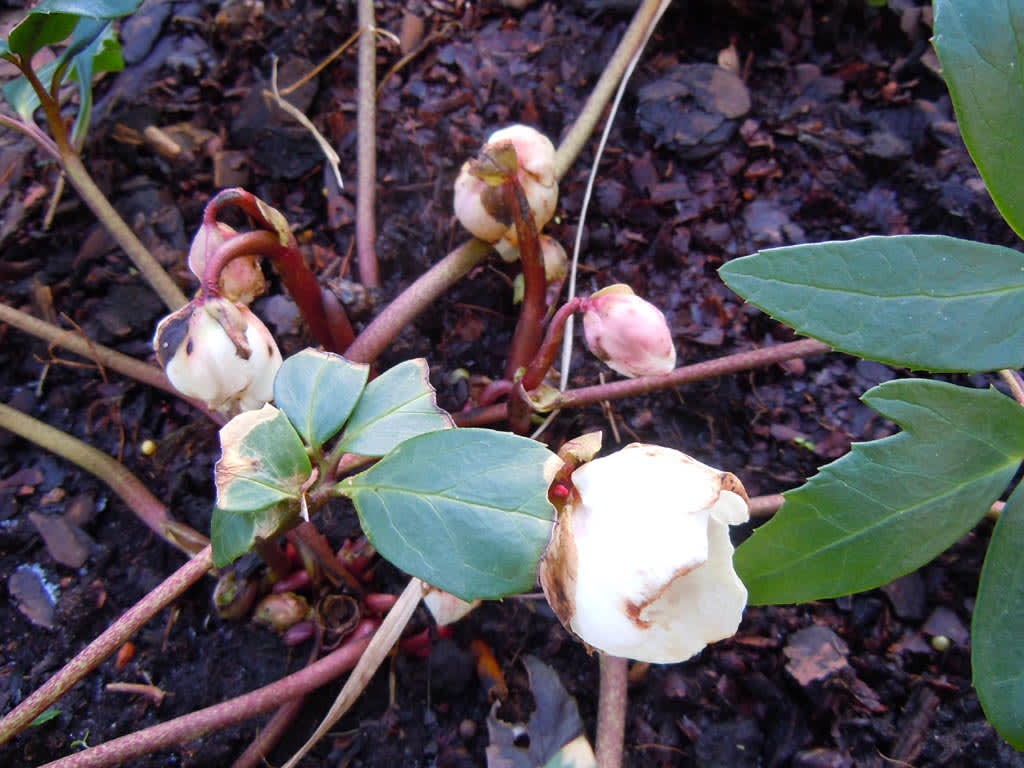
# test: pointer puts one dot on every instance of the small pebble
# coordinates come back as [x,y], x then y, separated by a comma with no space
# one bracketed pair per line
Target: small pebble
[941,643]
[467,729]
[148,448]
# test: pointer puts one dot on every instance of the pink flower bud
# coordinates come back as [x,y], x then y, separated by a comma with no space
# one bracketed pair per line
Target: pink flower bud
[219,352]
[640,561]
[629,334]
[242,279]
[479,206]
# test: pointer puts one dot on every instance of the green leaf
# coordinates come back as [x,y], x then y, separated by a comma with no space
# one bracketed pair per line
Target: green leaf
[233,534]
[397,405]
[262,461]
[20,95]
[919,301]
[95,49]
[463,509]
[891,505]
[998,625]
[979,47]
[45,717]
[40,29]
[317,391]
[93,9]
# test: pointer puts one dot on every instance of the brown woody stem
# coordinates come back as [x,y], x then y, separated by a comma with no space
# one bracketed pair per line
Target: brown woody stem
[103,646]
[611,711]
[366,126]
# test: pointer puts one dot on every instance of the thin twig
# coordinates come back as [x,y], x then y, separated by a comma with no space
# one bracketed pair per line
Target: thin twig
[147,507]
[203,721]
[325,146]
[651,23]
[366,125]
[103,646]
[1013,380]
[378,649]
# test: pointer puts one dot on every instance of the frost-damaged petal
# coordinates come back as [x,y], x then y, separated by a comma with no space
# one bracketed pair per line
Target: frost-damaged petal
[640,563]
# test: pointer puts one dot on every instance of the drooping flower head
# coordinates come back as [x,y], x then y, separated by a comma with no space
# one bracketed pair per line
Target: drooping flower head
[640,562]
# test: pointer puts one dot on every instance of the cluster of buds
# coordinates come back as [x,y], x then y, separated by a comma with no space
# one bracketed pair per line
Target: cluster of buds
[640,560]
[214,348]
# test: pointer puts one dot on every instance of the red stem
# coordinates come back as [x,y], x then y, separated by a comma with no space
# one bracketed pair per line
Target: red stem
[530,327]
[297,276]
[195,724]
[549,348]
[103,646]
[722,366]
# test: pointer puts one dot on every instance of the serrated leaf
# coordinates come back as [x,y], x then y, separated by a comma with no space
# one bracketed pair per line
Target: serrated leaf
[397,405]
[920,301]
[233,534]
[998,625]
[891,505]
[317,391]
[262,462]
[979,47]
[463,509]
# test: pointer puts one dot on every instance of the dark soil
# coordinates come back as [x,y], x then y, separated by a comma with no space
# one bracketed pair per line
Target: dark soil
[849,132]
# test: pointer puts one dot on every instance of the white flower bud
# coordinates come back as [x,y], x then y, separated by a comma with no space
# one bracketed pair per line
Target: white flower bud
[219,352]
[242,279]
[480,207]
[629,334]
[640,561]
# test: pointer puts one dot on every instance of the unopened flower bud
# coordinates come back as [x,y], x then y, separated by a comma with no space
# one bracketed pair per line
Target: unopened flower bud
[640,561]
[480,206]
[280,611]
[629,334]
[218,352]
[241,279]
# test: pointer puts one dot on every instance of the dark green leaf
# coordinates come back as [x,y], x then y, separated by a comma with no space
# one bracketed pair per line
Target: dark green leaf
[39,30]
[95,50]
[919,301]
[463,509]
[317,391]
[262,462]
[997,629]
[233,534]
[397,405]
[891,505]
[979,47]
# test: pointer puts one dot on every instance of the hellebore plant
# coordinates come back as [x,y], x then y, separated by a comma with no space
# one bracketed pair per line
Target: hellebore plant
[632,549]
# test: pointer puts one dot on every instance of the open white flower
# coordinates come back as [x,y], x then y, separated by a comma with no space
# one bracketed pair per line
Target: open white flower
[640,562]
[219,352]
[480,207]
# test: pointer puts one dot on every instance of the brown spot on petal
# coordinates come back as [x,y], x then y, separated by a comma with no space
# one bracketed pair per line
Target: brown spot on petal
[632,612]
[732,483]
[558,568]
[189,347]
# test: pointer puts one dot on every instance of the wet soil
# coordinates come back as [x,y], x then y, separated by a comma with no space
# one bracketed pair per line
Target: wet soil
[836,126]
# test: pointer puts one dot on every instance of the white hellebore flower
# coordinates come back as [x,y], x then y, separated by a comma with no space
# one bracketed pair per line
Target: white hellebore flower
[480,207]
[640,561]
[628,333]
[219,352]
